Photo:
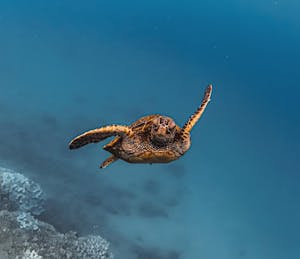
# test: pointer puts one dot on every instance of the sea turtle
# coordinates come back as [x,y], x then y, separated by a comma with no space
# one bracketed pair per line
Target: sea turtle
[151,139]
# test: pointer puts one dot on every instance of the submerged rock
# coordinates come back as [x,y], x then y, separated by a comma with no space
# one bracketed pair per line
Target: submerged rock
[43,241]
[17,192]
[23,236]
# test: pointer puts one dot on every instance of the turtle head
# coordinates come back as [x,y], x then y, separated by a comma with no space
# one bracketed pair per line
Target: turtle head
[163,130]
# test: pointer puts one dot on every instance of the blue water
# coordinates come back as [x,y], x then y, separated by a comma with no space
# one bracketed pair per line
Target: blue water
[69,66]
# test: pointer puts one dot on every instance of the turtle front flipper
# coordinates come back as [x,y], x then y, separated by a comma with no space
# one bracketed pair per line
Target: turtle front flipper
[198,113]
[99,134]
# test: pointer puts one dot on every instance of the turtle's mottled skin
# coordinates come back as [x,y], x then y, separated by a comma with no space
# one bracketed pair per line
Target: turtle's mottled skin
[151,139]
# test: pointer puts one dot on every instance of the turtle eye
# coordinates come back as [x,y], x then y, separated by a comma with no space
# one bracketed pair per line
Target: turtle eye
[155,126]
[172,124]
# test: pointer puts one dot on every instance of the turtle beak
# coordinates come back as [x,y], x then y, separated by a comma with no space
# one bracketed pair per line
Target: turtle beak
[161,131]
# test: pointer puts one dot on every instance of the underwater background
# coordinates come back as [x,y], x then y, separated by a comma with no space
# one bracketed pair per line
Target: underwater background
[70,66]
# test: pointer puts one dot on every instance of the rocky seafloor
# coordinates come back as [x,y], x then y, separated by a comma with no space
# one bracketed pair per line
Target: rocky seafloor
[24,236]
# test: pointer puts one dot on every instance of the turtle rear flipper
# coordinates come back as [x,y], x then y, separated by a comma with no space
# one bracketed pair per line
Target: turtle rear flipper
[96,135]
[108,161]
